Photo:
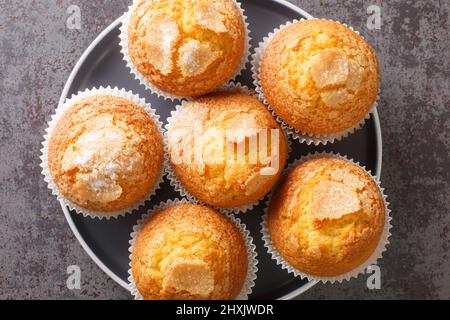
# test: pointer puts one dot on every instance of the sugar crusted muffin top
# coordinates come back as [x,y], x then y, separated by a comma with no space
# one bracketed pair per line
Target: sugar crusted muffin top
[327,217]
[186,47]
[189,252]
[105,153]
[320,76]
[204,138]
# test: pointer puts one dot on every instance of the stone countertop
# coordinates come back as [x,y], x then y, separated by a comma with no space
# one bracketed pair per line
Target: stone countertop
[38,51]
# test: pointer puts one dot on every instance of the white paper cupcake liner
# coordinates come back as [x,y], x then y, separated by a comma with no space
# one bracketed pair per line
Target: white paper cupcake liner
[377,254]
[297,134]
[172,177]
[154,89]
[57,116]
[249,283]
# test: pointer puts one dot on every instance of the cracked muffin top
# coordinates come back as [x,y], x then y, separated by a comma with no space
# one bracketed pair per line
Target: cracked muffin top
[226,149]
[327,217]
[319,76]
[189,251]
[105,153]
[186,47]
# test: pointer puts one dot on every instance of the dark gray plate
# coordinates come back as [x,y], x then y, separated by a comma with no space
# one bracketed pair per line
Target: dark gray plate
[106,242]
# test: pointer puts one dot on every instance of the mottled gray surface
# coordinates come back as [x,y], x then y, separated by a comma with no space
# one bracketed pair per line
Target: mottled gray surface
[37,53]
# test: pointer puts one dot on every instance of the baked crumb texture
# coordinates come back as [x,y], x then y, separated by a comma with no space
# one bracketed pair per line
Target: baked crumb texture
[189,252]
[105,153]
[327,217]
[186,47]
[219,179]
[319,76]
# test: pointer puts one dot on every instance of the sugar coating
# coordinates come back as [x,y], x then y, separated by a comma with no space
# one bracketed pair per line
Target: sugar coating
[186,48]
[105,153]
[327,217]
[101,156]
[206,161]
[319,76]
[189,252]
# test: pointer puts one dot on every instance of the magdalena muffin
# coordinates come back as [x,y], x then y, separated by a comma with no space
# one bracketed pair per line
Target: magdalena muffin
[189,251]
[226,149]
[319,76]
[105,153]
[186,47]
[327,217]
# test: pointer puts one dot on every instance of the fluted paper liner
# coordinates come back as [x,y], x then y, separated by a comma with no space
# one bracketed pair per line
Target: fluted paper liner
[154,89]
[57,116]
[377,254]
[297,134]
[173,179]
[251,248]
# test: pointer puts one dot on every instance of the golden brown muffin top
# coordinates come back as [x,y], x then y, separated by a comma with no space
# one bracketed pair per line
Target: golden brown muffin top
[186,47]
[204,139]
[327,217]
[105,153]
[320,76]
[189,252]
